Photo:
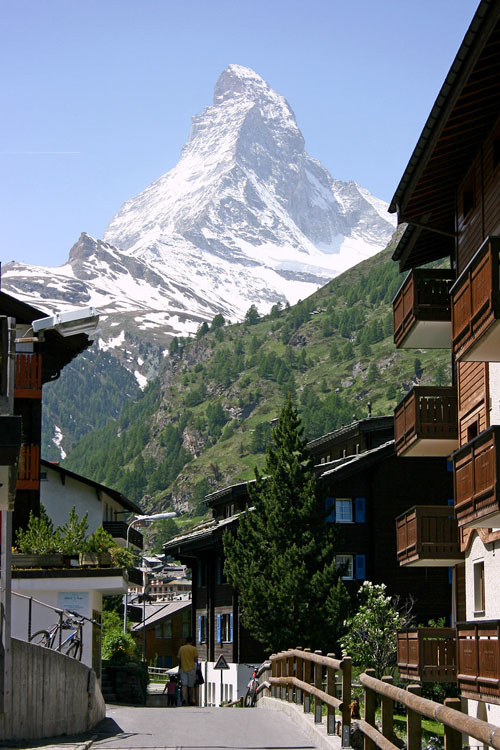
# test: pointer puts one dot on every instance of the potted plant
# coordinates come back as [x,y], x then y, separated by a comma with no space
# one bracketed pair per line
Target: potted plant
[38,546]
[97,549]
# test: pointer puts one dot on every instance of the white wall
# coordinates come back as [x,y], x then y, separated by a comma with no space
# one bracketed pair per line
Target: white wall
[494,381]
[490,555]
[58,499]
[234,683]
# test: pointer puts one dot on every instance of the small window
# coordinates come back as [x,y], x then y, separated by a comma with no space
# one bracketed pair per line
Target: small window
[343,510]
[472,431]
[225,628]
[158,631]
[167,629]
[479,588]
[345,562]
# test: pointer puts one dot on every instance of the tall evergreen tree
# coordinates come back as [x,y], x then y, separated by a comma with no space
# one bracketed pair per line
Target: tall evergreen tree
[282,558]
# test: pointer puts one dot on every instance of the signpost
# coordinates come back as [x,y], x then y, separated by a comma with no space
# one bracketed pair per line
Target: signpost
[221,664]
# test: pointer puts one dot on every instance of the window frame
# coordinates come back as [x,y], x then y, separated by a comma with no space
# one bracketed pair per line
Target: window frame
[343,503]
[340,561]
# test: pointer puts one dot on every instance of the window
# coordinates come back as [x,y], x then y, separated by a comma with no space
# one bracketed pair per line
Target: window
[479,588]
[225,628]
[345,562]
[158,631]
[202,628]
[167,628]
[343,510]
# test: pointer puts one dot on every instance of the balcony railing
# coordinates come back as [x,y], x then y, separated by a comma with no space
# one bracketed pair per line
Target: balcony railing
[478,674]
[427,536]
[422,310]
[425,422]
[118,530]
[28,376]
[476,306]
[428,655]
[28,470]
[476,468]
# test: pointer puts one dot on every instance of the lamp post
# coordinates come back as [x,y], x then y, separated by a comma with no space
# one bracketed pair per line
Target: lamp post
[139,519]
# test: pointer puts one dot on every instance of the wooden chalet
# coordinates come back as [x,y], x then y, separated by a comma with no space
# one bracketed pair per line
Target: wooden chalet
[449,197]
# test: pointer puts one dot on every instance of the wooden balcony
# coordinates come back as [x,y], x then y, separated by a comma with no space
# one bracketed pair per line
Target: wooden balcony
[427,536]
[478,672]
[425,422]
[28,376]
[28,469]
[476,307]
[475,470]
[422,310]
[118,530]
[428,655]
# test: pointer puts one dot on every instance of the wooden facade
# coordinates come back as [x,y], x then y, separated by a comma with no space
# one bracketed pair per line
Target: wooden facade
[476,471]
[118,530]
[427,535]
[28,375]
[473,400]
[422,310]
[476,306]
[478,660]
[428,655]
[425,422]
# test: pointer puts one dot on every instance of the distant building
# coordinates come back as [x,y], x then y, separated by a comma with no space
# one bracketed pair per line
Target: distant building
[164,630]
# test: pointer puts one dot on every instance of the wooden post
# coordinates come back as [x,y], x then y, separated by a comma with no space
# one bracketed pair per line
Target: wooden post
[289,673]
[346,665]
[330,689]
[318,684]
[277,673]
[307,678]
[413,723]
[300,676]
[452,737]
[370,708]
[387,706]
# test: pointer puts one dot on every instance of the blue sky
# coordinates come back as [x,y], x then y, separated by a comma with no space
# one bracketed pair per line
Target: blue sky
[97,95]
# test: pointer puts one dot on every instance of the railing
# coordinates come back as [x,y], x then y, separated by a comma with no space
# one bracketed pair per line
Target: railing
[476,304]
[427,414]
[428,534]
[476,471]
[298,676]
[28,471]
[118,530]
[41,623]
[479,660]
[424,296]
[428,654]
[28,376]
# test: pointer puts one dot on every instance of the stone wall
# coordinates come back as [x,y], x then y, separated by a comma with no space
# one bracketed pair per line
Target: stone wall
[51,695]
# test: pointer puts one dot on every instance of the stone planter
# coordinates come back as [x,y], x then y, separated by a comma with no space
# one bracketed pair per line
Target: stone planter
[47,560]
[95,559]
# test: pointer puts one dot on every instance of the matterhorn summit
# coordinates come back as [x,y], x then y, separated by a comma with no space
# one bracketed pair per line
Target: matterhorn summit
[245,217]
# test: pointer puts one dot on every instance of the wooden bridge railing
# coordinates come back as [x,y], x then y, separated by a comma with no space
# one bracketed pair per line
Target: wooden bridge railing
[297,675]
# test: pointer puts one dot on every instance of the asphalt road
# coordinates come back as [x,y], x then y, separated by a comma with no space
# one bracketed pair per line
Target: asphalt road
[198,729]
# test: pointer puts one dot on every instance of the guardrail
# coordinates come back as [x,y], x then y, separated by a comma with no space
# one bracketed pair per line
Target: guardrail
[298,675]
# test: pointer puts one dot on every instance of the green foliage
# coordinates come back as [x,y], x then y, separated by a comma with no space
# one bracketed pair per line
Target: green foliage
[165,528]
[217,322]
[252,316]
[281,561]
[39,536]
[118,647]
[261,437]
[202,330]
[74,534]
[371,633]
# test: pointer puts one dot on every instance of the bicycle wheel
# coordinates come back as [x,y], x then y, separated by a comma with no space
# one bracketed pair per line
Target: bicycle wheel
[74,649]
[250,697]
[40,638]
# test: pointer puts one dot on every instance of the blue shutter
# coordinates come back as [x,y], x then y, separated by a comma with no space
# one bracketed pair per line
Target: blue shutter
[199,628]
[219,636]
[449,465]
[360,567]
[359,509]
[330,509]
[450,576]
[231,627]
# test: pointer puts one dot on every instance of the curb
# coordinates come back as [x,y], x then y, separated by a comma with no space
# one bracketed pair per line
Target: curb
[316,732]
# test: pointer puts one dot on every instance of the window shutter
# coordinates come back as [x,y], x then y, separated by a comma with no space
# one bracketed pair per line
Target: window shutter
[359,509]
[219,634]
[330,509]
[450,576]
[231,628]
[360,567]
[199,628]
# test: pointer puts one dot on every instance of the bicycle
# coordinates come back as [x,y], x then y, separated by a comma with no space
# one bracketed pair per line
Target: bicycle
[252,688]
[70,646]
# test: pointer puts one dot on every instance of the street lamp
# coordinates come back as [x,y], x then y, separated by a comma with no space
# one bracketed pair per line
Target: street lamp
[139,519]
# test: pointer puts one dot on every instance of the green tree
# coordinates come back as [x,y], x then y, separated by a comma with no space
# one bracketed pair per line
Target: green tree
[74,533]
[217,322]
[373,373]
[39,536]
[281,561]
[441,376]
[252,316]
[371,632]
[166,529]
[202,330]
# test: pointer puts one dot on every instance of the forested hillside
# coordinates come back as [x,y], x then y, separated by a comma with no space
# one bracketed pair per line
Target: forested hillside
[206,421]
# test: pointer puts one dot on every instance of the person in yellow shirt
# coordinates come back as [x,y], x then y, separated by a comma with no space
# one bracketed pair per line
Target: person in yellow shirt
[188,657]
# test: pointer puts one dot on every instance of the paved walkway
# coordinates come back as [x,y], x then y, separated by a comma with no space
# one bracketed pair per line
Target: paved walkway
[189,729]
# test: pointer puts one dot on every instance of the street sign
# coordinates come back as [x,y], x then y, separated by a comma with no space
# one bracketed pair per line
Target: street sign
[221,663]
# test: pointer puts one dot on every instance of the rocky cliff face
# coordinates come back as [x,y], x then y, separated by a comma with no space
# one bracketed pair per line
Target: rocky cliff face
[245,217]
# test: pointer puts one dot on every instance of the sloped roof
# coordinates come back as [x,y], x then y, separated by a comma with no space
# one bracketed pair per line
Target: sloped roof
[156,612]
